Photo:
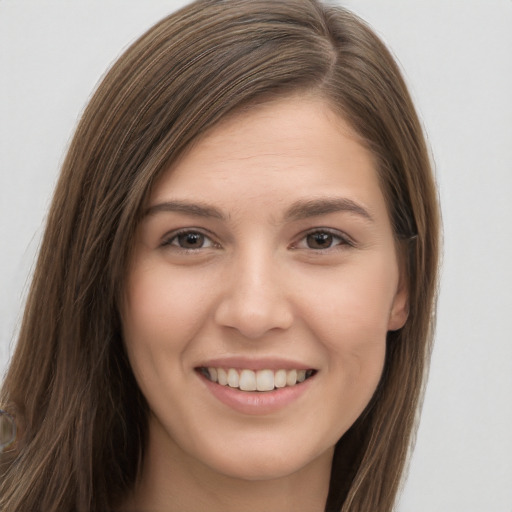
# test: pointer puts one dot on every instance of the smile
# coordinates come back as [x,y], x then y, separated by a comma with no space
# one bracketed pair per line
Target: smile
[260,380]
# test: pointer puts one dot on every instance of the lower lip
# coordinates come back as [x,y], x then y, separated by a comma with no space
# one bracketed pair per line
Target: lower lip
[257,402]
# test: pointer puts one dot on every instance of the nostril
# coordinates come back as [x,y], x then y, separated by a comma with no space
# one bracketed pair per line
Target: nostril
[253,318]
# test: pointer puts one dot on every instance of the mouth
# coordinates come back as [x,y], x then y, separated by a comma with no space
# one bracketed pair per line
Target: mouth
[259,380]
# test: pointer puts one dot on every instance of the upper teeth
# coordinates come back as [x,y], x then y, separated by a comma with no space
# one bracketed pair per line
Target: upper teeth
[261,380]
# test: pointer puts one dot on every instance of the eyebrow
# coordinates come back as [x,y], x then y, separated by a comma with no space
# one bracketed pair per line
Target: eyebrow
[299,210]
[304,209]
[195,209]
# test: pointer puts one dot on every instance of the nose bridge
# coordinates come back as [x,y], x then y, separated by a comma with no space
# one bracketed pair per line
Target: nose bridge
[254,299]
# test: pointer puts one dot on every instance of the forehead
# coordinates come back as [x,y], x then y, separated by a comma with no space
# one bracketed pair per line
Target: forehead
[275,154]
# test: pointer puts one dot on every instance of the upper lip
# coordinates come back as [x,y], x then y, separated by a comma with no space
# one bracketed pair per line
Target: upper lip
[241,363]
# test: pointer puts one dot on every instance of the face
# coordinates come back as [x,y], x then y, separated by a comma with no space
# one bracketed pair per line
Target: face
[262,285]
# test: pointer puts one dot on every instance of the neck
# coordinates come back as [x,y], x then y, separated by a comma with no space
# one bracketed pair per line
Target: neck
[171,481]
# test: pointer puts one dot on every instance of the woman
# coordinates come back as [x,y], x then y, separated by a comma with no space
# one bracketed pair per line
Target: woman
[232,307]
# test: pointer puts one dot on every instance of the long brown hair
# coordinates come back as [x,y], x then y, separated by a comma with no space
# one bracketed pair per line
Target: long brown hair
[82,419]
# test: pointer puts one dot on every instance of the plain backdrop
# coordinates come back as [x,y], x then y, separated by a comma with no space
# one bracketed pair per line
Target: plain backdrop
[456,57]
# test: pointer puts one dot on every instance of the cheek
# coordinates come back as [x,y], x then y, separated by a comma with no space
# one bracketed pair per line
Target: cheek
[350,318]
[161,303]
[353,303]
[162,313]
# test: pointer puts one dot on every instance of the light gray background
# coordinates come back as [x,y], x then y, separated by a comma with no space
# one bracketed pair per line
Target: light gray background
[456,57]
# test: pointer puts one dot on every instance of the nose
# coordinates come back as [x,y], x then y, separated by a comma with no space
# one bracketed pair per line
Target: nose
[253,299]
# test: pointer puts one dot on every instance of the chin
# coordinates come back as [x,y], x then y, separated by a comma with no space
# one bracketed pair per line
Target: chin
[256,464]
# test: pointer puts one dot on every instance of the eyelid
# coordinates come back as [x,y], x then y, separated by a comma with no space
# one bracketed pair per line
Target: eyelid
[169,237]
[346,239]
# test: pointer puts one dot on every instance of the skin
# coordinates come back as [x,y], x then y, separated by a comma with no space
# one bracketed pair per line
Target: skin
[258,287]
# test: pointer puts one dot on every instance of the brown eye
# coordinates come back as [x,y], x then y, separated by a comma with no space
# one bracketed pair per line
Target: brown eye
[323,240]
[190,240]
[320,240]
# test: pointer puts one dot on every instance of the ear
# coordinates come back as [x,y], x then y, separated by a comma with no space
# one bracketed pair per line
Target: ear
[400,307]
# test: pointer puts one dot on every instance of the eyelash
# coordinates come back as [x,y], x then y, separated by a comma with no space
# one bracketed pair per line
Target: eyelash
[344,240]
[175,237]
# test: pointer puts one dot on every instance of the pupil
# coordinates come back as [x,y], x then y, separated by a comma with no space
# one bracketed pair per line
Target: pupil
[319,240]
[191,240]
